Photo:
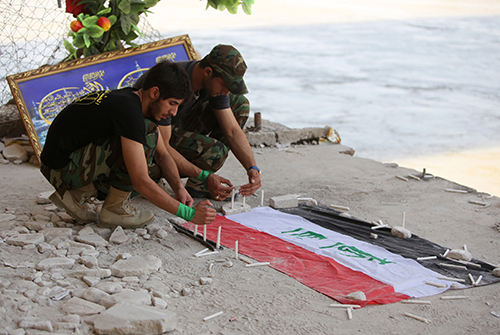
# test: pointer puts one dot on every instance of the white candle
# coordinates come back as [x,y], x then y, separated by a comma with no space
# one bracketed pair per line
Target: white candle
[217,246]
[236,249]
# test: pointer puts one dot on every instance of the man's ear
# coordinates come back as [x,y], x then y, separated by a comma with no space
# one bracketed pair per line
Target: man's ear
[208,72]
[154,93]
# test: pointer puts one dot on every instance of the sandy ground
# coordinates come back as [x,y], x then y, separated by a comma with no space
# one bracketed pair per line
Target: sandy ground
[269,302]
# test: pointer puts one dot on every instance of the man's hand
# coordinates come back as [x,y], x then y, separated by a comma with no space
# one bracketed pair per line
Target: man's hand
[216,188]
[254,183]
[183,196]
[203,215]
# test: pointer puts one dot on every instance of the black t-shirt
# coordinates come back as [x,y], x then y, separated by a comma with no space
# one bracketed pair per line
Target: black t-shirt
[94,117]
[217,102]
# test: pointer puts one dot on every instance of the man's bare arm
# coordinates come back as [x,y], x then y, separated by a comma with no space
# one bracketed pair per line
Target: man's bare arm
[240,147]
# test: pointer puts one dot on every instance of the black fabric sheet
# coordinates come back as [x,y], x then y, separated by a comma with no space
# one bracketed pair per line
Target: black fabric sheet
[413,247]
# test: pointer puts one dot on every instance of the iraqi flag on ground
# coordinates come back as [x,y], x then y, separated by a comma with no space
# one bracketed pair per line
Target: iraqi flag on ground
[336,256]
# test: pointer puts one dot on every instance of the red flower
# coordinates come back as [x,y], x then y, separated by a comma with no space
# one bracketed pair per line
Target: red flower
[72,8]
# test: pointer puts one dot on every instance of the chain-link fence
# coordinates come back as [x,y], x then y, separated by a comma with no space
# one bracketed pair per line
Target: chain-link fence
[32,34]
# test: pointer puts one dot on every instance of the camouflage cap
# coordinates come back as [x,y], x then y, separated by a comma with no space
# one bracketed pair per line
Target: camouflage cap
[229,63]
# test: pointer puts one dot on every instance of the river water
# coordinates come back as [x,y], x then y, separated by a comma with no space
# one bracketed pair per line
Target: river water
[420,92]
[392,89]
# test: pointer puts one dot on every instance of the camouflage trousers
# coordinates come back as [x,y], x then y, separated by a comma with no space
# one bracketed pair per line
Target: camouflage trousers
[200,139]
[100,163]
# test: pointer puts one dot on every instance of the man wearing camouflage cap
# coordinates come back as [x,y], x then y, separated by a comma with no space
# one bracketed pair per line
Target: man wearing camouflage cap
[200,136]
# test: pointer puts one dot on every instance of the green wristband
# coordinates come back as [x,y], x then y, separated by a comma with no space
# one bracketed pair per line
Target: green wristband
[185,212]
[204,174]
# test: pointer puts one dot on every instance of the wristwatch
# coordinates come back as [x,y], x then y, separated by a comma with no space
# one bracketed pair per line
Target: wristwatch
[255,168]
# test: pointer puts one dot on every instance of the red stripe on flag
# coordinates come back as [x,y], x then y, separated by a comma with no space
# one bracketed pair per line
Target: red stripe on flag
[318,272]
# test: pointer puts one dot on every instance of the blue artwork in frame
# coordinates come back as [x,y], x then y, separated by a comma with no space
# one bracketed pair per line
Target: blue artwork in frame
[42,93]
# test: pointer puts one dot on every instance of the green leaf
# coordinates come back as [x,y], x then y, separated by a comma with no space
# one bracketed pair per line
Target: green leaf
[86,52]
[78,41]
[124,6]
[80,17]
[90,21]
[95,31]
[129,37]
[126,23]
[136,8]
[247,8]
[94,50]
[137,29]
[211,3]
[150,3]
[134,18]
[232,9]
[112,19]
[104,12]
[69,47]
[86,40]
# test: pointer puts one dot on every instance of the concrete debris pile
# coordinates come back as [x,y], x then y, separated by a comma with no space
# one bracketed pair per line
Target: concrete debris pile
[77,280]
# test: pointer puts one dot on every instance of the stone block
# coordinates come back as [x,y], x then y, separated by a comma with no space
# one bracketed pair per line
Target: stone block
[237,208]
[284,201]
[134,319]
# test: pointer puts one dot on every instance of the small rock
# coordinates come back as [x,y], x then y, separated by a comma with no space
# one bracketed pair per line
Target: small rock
[100,273]
[15,152]
[205,280]
[401,232]
[55,262]
[118,236]
[136,266]
[86,230]
[65,217]
[358,295]
[25,239]
[82,307]
[127,296]
[33,160]
[91,281]
[141,231]
[43,198]
[186,292]
[38,225]
[496,272]
[459,254]
[109,287]
[93,294]
[160,303]
[161,234]
[89,261]
[134,319]
[45,247]
[92,239]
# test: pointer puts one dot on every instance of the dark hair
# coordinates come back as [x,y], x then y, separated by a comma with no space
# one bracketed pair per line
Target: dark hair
[171,79]
[204,63]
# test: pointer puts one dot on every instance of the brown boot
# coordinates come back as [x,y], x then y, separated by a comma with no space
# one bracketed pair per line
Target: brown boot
[73,203]
[116,211]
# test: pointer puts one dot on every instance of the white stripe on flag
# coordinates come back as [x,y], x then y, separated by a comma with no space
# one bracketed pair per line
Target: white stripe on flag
[407,276]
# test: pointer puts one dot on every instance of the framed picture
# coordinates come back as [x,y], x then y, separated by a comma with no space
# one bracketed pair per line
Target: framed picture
[42,93]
